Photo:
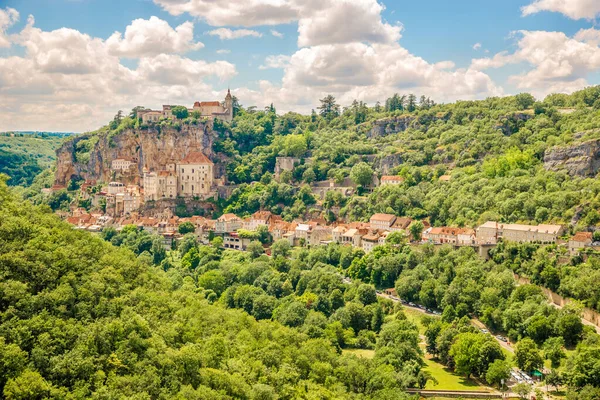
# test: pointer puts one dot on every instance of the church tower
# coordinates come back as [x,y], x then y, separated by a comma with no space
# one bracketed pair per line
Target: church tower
[229,104]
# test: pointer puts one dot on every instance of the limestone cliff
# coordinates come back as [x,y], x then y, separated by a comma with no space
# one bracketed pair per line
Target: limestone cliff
[89,156]
[581,159]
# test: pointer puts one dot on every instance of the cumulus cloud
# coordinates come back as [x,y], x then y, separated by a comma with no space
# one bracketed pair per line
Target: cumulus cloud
[574,9]
[558,62]
[8,17]
[345,21]
[229,34]
[236,13]
[276,33]
[279,61]
[368,72]
[67,80]
[223,51]
[477,46]
[319,21]
[151,37]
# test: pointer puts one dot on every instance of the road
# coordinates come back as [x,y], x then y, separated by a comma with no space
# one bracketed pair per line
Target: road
[475,322]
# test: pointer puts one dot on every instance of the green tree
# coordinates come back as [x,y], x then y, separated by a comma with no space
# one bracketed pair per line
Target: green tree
[498,372]
[255,248]
[281,247]
[416,230]
[522,390]
[186,227]
[329,109]
[361,174]
[180,112]
[553,350]
[29,385]
[527,355]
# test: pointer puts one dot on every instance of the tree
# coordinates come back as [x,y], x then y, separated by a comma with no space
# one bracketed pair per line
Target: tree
[213,280]
[411,103]
[553,350]
[470,354]
[498,371]
[309,176]
[569,326]
[366,294]
[522,390]
[281,248]
[524,101]
[527,355]
[180,112]
[329,109]
[416,230]
[553,378]
[361,174]
[423,377]
[255,249]
[186,227]
[30,385]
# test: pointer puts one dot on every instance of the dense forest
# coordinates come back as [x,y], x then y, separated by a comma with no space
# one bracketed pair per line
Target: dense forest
[24,155]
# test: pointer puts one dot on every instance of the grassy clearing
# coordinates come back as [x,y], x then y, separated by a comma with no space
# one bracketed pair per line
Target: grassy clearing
[364,353]
[448,380]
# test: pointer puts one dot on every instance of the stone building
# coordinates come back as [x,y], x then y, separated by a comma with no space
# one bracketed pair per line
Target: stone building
[194,175]
[206,109]
[122,164]
[491,231]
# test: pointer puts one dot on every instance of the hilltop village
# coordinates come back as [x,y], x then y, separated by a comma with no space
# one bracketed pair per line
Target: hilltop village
[193,179]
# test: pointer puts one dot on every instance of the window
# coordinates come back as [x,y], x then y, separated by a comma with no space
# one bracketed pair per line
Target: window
[181,187]
[192,170]
[192,188]
[182,170]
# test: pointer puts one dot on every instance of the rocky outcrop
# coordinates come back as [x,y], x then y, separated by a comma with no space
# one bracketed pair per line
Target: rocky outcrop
[89,156]
[510,124]
[581,159]
[386,163]
[392,125]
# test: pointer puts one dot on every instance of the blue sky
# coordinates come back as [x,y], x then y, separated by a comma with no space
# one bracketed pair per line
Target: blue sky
[354,49]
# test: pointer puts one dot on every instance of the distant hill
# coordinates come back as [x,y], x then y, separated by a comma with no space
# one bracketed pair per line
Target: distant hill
[24,155]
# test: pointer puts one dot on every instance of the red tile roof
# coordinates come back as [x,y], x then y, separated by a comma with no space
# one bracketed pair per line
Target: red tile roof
[195,157]
[582,237]
[210,103]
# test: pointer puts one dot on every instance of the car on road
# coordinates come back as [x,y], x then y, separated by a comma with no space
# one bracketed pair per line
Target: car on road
[410,303]
[501,338]
[484,330]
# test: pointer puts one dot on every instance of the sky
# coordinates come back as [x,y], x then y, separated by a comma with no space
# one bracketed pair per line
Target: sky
[70,65]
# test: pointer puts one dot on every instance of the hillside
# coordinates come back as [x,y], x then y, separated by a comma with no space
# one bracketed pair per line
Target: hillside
[510,159]
[23,156]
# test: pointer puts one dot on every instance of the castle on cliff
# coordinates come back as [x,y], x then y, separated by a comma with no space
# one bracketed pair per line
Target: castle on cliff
[206,109]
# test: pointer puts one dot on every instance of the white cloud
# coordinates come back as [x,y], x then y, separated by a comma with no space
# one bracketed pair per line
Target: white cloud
[590,36]
[8,17]
[559,63]
[223,51]
[319,21]
[279,61]
[151,37]
[574,9]
[276,33]
[365,72]
[229,34]
[236,13]
[70,81]
[345,21]
[477,46]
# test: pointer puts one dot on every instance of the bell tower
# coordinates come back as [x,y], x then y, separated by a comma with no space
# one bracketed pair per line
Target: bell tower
[229,104]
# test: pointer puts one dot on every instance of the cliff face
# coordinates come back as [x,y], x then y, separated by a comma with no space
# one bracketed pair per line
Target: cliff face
[581,159]
[90,157]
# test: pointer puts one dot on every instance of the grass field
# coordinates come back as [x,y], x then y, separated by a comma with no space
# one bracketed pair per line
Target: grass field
[360,352]
[448,380]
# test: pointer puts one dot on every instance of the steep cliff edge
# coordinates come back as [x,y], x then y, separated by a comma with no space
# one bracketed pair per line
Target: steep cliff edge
[581,159]
[89,156]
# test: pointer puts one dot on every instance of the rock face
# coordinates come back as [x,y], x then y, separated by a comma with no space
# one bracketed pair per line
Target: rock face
[386,163]
[581,159]
[149,148]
